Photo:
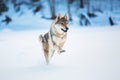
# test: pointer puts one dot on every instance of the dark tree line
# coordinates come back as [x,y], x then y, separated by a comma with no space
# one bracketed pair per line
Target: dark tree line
[3,7]
[37,6]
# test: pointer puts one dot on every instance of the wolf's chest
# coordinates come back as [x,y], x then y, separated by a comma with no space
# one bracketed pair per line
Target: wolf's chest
[58,40]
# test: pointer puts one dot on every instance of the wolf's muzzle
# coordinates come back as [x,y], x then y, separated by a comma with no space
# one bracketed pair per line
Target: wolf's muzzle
[66,29]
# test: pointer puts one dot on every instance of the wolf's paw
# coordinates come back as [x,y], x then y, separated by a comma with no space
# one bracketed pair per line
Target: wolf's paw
[62,51]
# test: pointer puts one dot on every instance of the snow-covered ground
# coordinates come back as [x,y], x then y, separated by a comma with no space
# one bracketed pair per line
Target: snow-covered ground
[92,53]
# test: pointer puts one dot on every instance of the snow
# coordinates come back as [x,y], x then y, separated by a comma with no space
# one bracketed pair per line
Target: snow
[92,53]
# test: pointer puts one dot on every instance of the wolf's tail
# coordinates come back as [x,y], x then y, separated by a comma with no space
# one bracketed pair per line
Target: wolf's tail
[41,38]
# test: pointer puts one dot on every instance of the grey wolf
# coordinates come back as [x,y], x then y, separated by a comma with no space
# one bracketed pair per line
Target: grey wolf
[55,38]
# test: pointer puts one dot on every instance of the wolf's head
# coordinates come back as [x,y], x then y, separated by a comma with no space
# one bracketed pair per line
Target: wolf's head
[61,24]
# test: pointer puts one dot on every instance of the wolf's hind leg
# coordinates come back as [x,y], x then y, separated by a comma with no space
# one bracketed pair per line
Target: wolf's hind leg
[52,53]
[46,54]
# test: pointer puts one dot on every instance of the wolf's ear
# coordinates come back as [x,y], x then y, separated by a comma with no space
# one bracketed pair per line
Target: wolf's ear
[66,16]
[58,17]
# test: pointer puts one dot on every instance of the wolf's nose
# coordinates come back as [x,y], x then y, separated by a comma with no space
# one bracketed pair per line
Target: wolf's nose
[67,28]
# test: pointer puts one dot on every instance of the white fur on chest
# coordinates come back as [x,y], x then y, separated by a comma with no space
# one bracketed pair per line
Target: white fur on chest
[58,40]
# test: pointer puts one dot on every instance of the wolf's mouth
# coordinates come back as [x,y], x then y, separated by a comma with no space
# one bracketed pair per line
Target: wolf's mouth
[64,30]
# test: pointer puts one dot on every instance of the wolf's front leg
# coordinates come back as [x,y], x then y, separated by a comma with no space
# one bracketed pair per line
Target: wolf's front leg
[60,50]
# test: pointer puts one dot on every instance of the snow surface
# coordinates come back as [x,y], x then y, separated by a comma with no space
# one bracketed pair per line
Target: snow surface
[92,53]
